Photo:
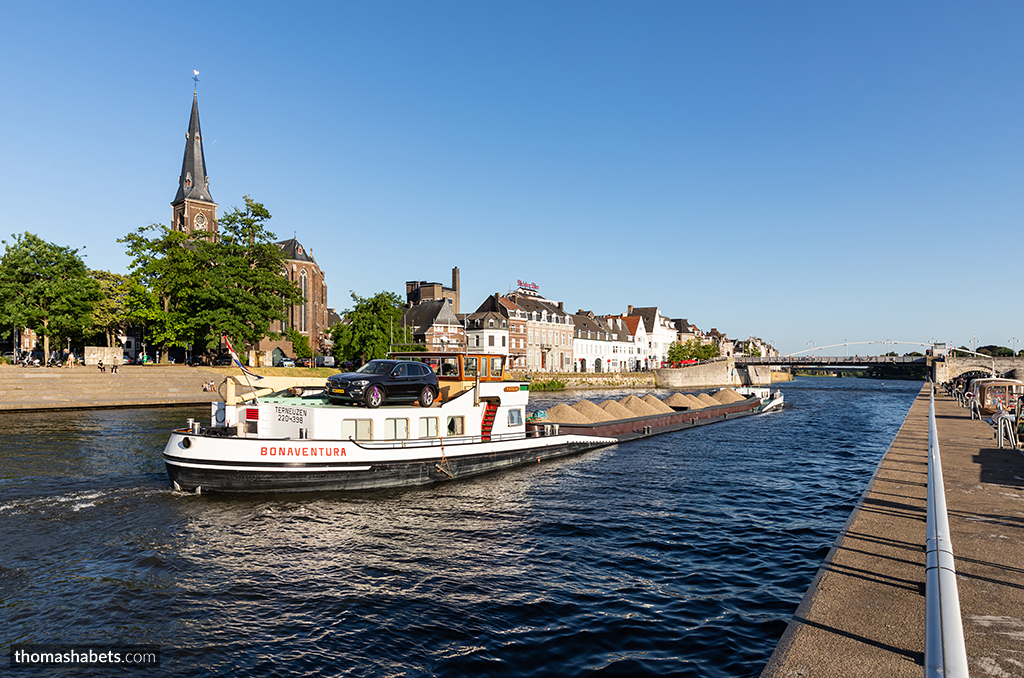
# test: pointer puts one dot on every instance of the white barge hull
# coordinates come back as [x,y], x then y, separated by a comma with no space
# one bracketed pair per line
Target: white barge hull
[239,465]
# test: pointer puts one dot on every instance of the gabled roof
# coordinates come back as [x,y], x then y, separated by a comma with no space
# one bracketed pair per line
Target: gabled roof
[588,323]
[617,326]
[648,314]
[494,304]
[294,251]
[471,320]
[193,184]
[632,322]
[509,304]
[425,315]
[530,305]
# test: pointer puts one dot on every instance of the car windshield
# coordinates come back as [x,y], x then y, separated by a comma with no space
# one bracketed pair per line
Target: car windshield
[375,367]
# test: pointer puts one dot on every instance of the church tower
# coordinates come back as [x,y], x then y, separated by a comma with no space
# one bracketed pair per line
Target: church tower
[193,209]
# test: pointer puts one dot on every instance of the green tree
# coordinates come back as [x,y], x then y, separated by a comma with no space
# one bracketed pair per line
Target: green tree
[110,316]
[753,351]
[370,328]
[193,290]
[243,289]
[691,350]
[46,288]
[996,351]
[300,344]
[166,270]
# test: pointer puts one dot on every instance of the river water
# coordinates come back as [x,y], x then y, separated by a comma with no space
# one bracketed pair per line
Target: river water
[679,555]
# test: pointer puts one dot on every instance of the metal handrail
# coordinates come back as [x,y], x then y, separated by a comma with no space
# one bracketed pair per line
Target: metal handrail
[944,652]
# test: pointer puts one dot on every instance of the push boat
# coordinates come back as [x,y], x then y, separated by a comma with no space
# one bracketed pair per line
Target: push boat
[294,440]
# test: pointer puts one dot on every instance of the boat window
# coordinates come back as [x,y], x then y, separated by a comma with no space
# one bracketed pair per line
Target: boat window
[455,427]
[428,427]
[357,429]
[449,367]
[497,363]
[515,417]
[396,429]
[472,369]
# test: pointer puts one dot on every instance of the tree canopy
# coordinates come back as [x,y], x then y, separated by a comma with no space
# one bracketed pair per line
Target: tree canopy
[46,288]
[192,290]
[110,315]
[370,327]
[691,350]
[300,344]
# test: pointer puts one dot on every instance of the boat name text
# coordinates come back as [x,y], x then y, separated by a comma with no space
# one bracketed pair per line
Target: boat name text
[303,451]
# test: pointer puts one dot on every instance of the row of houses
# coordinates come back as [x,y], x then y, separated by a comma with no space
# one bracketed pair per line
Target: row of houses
[539,335]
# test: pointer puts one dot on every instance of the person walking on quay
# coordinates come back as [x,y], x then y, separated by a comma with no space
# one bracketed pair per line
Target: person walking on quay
[113,368]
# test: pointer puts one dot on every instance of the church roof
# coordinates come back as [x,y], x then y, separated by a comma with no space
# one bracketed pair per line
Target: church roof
[193,184]
[294,251]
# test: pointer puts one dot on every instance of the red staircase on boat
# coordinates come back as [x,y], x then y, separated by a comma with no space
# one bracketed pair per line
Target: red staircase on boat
[488,422]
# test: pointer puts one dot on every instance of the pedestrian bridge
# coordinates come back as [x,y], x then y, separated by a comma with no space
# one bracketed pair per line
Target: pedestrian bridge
[849,361]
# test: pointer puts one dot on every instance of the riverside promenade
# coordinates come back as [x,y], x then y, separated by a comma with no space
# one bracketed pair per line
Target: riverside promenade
[864,612]
[58,388]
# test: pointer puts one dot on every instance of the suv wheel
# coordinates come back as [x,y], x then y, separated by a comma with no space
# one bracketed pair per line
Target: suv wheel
[374,396]
[426,397]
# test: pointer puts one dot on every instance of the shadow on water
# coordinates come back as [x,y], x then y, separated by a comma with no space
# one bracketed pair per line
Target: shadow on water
[682,554]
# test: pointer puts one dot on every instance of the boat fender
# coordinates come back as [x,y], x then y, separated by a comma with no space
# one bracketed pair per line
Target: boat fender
[186,442]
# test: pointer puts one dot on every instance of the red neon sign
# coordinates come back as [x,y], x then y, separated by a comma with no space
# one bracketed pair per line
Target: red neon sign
[528,285]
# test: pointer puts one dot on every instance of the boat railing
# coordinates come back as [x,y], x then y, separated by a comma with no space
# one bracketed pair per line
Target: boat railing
[944,650]
[413,443]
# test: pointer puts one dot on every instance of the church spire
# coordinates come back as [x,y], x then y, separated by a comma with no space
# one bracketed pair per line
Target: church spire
[193,184]
[193,208]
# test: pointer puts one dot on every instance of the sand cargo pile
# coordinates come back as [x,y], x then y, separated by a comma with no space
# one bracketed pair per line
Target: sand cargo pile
[633,417]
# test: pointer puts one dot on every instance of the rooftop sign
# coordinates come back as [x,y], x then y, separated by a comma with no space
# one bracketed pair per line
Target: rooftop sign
[527,285]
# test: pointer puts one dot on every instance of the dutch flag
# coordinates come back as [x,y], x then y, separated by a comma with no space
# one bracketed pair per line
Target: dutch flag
[234,356]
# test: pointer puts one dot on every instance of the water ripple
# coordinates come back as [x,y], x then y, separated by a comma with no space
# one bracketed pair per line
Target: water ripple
[683,554]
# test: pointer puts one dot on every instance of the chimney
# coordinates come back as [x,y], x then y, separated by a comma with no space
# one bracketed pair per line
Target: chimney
[455,287]
[629,310]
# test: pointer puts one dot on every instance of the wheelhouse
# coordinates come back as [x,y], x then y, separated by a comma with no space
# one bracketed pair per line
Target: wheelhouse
[458,372]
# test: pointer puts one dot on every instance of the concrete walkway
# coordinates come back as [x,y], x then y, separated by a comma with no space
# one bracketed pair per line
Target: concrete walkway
[46,388]
[864,612]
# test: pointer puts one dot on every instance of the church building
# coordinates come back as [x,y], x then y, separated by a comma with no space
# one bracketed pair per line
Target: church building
[195,212]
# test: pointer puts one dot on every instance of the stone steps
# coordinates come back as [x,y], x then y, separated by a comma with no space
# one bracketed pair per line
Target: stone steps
[86,387]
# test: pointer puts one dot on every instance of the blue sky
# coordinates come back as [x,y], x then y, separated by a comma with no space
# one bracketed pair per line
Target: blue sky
[800,171]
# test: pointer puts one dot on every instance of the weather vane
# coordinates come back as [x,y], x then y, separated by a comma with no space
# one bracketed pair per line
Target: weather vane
[195,78]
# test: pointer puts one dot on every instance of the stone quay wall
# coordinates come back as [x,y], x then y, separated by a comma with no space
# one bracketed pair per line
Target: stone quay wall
[721,373]
[594,379]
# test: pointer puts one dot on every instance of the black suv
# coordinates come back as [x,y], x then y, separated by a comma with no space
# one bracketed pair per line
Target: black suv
[380,381]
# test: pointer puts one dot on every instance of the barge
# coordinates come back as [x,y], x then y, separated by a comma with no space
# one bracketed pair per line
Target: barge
[296,440]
